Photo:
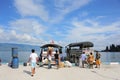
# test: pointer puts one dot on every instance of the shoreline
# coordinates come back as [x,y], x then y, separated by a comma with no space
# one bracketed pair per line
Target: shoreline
[106,72]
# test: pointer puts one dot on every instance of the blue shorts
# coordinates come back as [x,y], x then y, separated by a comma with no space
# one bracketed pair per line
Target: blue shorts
[33,64]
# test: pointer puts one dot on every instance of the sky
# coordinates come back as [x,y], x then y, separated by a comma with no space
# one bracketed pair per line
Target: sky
[38,22]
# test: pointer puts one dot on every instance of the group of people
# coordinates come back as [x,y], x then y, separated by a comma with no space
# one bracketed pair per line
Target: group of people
[33,59]
[90,60]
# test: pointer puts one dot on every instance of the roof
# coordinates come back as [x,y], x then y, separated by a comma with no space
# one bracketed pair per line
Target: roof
[82,44]
[51,45]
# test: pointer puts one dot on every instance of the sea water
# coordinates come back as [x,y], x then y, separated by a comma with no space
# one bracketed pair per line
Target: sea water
[6,56]
[108,57]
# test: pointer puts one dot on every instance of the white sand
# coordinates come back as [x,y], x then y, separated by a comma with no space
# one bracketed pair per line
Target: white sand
[106,72]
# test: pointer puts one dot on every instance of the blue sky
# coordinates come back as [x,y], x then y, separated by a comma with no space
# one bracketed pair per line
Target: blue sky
[39,21]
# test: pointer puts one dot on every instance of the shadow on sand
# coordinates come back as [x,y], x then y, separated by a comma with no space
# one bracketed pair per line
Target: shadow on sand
[107,77]
[27,72]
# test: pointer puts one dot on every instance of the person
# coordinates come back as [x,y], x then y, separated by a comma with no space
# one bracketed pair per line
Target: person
[57,59]
[33,59]
[0,61]
[83,58]
[49,56]
[62,59]
[91,60]
[97,60]
[40,57]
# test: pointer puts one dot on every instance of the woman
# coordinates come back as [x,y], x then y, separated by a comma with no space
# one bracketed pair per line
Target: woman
[97,59]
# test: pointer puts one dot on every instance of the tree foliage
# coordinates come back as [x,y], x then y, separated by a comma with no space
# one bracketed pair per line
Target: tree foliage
[112,48]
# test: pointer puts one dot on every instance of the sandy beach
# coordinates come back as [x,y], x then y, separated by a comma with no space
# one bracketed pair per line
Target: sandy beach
[106,72]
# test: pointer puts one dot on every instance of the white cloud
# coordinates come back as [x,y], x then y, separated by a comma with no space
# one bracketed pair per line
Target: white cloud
[29,26]
[93,27]
[67,6]
[27,30]
[100,17]
[1,34]
[14,37]
[64,7]
[1,30]
[39,9]
[31,8]
[94,32]
[23,31]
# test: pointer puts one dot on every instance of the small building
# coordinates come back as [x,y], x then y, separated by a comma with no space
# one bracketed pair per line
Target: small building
[74,50]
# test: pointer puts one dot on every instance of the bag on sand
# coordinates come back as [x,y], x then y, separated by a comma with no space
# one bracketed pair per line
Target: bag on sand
[68,64]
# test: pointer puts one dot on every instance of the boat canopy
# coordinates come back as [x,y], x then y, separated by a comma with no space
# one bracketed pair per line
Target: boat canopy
[81,44]
[51,45]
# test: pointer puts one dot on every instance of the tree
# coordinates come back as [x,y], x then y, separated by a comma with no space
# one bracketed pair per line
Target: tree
[107,49]
[113,48]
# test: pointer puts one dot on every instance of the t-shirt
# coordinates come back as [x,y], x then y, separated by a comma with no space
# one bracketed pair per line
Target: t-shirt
[83,57]
[33,57]
[56,56]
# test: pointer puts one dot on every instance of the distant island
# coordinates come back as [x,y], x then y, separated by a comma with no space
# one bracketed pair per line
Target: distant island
[112,48]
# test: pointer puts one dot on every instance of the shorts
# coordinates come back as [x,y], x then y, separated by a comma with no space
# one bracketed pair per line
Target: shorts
[33,64]
[98,62]
[57,62]
[84,61]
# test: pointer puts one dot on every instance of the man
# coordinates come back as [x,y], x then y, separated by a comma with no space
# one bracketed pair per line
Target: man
[83,58]
[0,62]
[33,59]
[97,59]
[57,58]
[49,56]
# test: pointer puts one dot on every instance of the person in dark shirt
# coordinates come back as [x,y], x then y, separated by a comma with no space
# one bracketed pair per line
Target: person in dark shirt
[57,58]
[0,62]
[97,59]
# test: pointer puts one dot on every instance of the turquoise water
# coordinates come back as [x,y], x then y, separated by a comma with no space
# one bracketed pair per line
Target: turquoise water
[106,57]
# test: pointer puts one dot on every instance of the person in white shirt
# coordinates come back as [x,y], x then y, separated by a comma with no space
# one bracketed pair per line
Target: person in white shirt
[33,59]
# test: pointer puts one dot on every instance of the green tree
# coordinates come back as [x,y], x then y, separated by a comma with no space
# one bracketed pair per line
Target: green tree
[107,49]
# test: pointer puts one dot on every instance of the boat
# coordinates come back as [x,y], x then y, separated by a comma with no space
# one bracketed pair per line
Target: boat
[44,49]
[74,50]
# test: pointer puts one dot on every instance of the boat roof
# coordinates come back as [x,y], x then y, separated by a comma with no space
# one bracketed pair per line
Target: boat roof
[51,45]
[81,44]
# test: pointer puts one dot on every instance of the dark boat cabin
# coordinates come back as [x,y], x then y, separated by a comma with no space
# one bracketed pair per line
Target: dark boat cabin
[74,50]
